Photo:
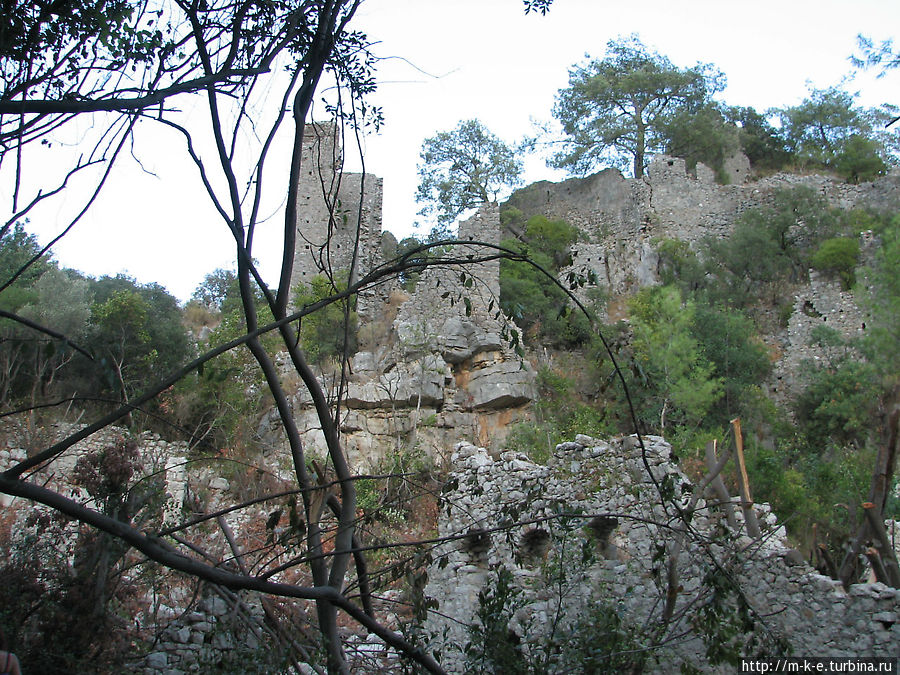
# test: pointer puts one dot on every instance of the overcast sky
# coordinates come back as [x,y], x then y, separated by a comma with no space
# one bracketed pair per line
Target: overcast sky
[451,60]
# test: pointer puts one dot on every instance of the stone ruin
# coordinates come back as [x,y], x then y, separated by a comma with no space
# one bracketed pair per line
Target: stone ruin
[338,212]
[590,530]
[622,219]
[435,363]
[584,531]
[188,638]
[438,366]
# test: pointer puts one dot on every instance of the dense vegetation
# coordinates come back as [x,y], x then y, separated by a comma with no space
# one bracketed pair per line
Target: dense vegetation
[693,356]
[132,332]
[691,349]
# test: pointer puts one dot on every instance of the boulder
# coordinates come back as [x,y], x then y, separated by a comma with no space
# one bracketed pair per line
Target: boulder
[504,384]
[460,339]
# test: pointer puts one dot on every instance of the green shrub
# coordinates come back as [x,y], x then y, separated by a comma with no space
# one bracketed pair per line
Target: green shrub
[840,404]
[838,256]
[332,330]
[530,297]
[859,160]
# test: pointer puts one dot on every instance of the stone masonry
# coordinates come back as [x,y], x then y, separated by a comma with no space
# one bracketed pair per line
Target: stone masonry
[539,522]
[443,353]
[338,213]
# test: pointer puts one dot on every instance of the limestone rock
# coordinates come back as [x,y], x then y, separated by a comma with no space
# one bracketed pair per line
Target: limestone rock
[505,384]
[461,339]
[418,383]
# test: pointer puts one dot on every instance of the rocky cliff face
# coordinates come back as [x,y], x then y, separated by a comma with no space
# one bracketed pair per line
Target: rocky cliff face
[435,365]
[440,366]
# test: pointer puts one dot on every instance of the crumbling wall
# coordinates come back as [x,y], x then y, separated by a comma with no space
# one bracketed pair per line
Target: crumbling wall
[601,497]
[822,302]
[445,356]
[445,369]
[623,219]
[338,213]
[185,635]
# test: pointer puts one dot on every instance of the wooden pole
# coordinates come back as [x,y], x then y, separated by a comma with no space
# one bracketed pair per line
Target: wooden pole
[877,564]
[744,482]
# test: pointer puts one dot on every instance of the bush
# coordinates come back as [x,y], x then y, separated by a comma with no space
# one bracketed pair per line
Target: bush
[560,416]
[838,256]
[530,297]
[332,330]
[840,404]
[678,264]
[859,160]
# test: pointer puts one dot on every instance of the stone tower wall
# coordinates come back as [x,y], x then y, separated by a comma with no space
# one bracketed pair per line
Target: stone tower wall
[338,214]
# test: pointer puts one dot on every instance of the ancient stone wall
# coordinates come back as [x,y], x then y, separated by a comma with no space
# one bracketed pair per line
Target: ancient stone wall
[338,213]
[622,219]
[191,635]
[822,302]
[594,532]
[443,353]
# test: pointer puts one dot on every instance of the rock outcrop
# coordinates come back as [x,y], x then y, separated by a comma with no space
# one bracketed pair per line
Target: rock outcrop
[442,367]
[443,353]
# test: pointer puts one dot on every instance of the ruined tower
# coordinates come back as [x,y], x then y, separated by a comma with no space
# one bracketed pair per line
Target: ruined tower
[338,213]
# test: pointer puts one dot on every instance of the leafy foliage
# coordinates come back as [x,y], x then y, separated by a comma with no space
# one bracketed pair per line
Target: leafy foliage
[828,130]
[768,248]
[560,414]
[163,325]
[672,377]
[330,331]
[839,256]
[882,303]
[727,338]
[75,599]
[17,249]
[463,168]
[860,160]
[840,404]
[881,56]
[701,136]
[820,468]
[615,109]
[759,140]
[217,287]
[134,331]
[528,295]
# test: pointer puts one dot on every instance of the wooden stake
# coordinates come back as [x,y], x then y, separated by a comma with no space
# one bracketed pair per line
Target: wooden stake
[718,485]
[877,565]
[742,466]
[744,482]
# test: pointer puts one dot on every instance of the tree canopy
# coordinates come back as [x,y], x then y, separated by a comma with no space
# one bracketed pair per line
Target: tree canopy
[614,109]
[254,68]
[828,130]
[462,168]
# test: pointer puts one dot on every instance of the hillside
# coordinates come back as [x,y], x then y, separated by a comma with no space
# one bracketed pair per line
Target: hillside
[717,301]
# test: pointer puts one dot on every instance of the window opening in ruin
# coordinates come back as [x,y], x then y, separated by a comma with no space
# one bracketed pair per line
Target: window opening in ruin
[600,528]
[476,544]
[533,547]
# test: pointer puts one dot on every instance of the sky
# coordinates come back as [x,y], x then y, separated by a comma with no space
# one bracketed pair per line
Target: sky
[443,61]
